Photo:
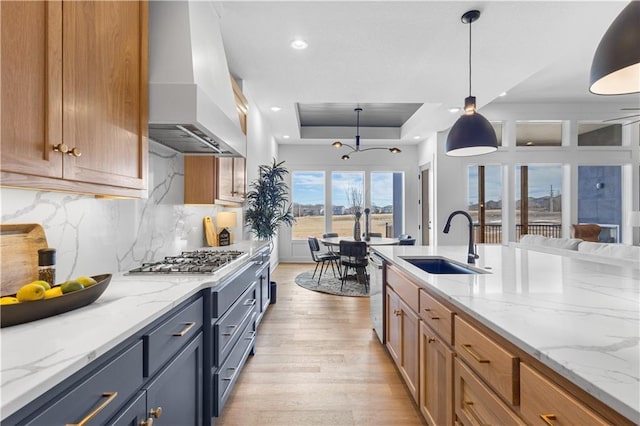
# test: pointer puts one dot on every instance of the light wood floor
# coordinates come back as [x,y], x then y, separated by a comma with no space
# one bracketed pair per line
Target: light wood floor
[318,362]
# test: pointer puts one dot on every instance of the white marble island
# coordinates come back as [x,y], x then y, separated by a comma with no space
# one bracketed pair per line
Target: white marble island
[579,317]
[38,355]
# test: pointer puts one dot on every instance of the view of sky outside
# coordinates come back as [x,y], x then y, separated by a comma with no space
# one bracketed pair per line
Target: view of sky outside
[381,189]
[308,187]
[492,185]
[341,182]
[542,179]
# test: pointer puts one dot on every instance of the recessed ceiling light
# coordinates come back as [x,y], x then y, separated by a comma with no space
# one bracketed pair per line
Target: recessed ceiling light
[285,136]
[503,94]
[299,44]
[454,110]
[529,143]
[275,108]
[417,137]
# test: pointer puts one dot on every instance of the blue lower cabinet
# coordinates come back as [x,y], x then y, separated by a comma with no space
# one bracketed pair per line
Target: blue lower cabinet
[96,398]
[134,413]
[174,396]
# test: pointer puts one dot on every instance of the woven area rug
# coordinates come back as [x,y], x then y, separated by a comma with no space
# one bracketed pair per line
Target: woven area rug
[329,284]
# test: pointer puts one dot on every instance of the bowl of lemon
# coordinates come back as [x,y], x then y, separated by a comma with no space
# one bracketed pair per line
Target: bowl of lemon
[37,299]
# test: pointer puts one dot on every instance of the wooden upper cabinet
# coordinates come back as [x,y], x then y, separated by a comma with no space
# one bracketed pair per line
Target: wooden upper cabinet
[31,87]
[74,75]
[199,179]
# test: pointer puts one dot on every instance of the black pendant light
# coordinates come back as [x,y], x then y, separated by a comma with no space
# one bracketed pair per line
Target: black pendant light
[471,134]
[615,69]
[338,144]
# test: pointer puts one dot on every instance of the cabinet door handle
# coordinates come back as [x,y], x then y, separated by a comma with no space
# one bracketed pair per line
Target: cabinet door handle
[61,148]
[74,152]
[189,326]
[434,318]
[156,413]
[472,411]
[251,335]
[397,312]
[249,302]
[548,418]
[110,397]
[430,339]
[475,355]
[146,422]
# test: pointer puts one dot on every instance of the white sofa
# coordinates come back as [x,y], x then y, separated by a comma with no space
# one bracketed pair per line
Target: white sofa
[609,251]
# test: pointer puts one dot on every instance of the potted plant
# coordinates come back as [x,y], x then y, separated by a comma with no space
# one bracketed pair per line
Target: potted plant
[268,202]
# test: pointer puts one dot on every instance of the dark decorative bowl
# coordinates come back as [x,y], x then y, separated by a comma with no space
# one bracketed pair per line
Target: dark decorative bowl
[30,311]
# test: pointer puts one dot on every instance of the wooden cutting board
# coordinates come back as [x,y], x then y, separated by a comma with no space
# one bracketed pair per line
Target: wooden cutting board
[209,231]
[19,245]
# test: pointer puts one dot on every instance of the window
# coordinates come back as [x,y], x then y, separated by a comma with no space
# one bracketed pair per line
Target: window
[347,193]
[387,203]
[599,134]
[485,203]
[539,133]
[539,200]
[308,204]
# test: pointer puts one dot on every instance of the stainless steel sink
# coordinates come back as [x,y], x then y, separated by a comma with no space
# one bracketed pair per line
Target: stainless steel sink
[441,265]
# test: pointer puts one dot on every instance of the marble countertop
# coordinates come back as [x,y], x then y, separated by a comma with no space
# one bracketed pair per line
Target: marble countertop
[576,315]
[38,355]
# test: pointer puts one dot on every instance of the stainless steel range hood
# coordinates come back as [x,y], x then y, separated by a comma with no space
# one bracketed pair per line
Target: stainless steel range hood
[191,104]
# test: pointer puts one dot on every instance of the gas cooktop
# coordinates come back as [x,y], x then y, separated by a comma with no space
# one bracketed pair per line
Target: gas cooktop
[190,262]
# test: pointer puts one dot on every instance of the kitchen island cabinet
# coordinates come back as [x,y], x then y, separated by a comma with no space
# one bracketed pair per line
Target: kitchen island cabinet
[74,96]
[529,336]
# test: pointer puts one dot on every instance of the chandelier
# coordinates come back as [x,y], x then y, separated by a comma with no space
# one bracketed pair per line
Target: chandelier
[338,144]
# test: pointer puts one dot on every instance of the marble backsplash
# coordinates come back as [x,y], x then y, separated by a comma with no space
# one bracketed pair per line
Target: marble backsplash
[95,236]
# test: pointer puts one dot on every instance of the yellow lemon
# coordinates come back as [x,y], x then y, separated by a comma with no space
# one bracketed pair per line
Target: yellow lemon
[71,286]
[86,281]
[53,292]
[44,284]
[8,300]
[30,292]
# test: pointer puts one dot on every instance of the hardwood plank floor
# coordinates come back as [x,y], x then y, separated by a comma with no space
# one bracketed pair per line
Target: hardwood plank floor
[318,362]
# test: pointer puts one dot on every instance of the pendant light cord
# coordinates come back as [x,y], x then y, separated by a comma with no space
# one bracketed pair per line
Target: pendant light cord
[470,57]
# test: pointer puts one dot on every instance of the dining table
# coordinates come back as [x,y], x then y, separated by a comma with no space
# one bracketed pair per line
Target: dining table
[373,241]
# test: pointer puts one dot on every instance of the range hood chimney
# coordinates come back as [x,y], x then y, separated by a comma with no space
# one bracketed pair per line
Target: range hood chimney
[191,103]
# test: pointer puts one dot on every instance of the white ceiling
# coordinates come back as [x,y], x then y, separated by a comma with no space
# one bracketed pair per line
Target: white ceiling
[413,52]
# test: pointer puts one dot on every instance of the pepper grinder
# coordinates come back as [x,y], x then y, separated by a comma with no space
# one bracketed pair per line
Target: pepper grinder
[47,265]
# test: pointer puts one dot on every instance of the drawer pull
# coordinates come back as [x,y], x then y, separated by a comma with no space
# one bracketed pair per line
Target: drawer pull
[397,312]
[156,413]
[110,397]
[475,355]
[228,379]
[146,422]
[189,326]
[430,339]
[250,302]
[229,333]
[251,335]
[548,418]
[473,413]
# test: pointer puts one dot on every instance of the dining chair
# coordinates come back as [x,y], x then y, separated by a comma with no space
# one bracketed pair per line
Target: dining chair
[353,254]
[322,258]
[406,240]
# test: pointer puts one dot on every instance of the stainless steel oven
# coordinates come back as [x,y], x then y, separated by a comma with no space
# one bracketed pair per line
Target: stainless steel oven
[376,269]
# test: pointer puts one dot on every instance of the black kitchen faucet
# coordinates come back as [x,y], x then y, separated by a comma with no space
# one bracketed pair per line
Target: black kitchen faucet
[471,255]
